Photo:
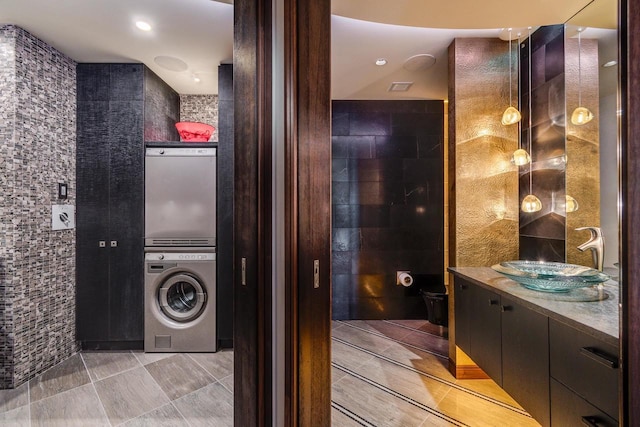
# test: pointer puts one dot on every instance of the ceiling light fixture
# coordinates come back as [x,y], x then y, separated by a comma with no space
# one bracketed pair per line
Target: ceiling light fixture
[610,64]
[530,203]
[144,26]
[381,61]
[581,115]
[511,115]
[520,156]
[196,78]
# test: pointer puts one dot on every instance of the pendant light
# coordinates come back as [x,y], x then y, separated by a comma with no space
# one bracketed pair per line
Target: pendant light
[580,115]
[511,115]
[571,204]
[520,157]
[530,203]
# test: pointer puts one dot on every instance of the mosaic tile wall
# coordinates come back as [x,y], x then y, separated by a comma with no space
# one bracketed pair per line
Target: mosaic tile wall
[38,132]
[200,108]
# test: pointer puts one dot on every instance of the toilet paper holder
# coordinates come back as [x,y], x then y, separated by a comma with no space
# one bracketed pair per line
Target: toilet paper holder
[404,278]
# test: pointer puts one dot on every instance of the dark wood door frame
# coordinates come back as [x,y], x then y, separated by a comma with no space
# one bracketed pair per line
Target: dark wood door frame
[307,187]
[252,213]
[307,84]
[630,178]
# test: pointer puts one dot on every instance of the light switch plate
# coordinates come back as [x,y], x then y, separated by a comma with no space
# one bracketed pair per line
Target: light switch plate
[63,217]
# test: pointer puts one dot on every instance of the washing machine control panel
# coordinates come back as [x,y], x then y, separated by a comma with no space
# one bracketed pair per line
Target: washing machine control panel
[179,256]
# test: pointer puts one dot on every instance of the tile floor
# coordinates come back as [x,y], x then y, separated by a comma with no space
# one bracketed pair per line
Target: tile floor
[126,388]
[384,373]
[394,373]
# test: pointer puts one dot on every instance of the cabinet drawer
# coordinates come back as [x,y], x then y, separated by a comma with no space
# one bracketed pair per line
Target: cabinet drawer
[569,409]
[585,365]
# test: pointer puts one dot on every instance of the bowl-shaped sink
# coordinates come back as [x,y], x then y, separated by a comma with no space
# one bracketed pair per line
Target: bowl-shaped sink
[548,276]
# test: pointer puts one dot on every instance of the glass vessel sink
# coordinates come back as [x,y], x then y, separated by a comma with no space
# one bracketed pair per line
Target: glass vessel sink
[549,276]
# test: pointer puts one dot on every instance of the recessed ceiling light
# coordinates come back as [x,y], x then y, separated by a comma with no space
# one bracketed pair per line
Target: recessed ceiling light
[144,26]
[196,79]
[610,64]
[381,61]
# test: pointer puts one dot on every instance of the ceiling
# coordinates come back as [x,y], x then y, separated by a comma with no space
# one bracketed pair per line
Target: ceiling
[200,34]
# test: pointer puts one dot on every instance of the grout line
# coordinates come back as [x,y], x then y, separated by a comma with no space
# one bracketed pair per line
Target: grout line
[167,396]
[401,396]
[398,341]
[95,390]
[435,378]
[224,386]
[205,369]
[117,373]
[414,330]
[355,417]
[180,412]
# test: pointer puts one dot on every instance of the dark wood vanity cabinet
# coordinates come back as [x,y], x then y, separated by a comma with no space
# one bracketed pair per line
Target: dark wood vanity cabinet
[509,342]
[561,375]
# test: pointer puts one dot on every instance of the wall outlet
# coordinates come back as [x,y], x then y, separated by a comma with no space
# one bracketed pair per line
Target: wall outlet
[398,273]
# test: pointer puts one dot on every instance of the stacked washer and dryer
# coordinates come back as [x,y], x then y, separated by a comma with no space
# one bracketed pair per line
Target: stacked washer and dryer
[180,248]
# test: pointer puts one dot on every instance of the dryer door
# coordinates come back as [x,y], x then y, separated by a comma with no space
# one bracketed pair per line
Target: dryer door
[182,297]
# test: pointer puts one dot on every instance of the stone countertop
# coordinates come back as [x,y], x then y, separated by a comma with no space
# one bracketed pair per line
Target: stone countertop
[597,318]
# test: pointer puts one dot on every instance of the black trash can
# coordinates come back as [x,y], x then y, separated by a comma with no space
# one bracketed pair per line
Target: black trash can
[437,307]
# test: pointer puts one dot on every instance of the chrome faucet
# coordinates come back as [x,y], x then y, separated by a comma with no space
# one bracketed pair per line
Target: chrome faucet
[596,244]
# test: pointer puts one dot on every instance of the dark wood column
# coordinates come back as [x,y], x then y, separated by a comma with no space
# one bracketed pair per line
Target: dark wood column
[308,207]
[252,208]
[630,241]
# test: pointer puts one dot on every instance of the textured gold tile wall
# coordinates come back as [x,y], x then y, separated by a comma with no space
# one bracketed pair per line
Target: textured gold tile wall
[483,183]
[582,146]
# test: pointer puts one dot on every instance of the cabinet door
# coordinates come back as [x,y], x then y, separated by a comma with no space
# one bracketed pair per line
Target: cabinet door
[569,409]
[525,358]
[485,331]
[92,213]
[126,189]
[586,365]
[462,290]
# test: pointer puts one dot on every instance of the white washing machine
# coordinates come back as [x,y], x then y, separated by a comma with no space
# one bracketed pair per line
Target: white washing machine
[180,300]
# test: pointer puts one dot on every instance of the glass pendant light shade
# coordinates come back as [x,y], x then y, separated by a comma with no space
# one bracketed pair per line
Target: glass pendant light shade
[571,204]
[581,116]
[520,157]
[531,204]
[511,116]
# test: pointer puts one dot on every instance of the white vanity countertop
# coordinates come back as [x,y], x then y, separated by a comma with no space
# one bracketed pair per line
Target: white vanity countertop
[598,318]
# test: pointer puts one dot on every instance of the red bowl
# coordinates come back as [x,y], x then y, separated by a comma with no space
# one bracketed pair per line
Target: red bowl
[194,131]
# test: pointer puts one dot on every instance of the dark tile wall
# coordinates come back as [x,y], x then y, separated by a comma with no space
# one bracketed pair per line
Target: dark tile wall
[387,173]
[161,109]
[542,234]
[224,116]
[37,265]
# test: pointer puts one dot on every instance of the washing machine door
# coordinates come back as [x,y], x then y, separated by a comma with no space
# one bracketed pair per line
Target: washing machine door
[182,297]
